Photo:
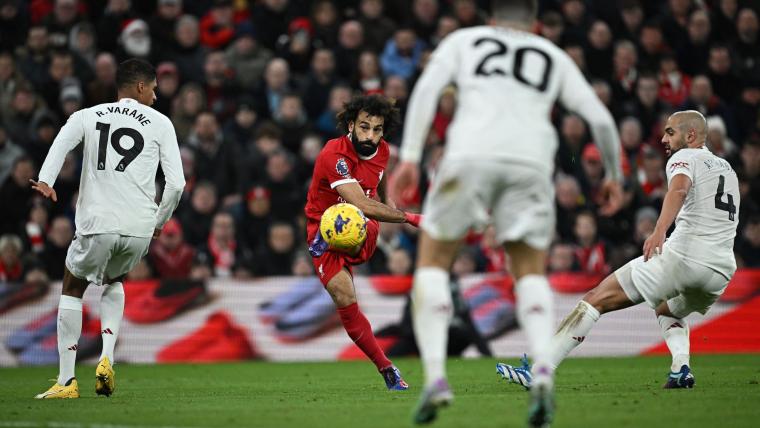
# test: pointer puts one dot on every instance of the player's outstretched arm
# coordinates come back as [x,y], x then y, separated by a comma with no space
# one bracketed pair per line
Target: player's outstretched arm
[70,135]
[674,199]
[353,194]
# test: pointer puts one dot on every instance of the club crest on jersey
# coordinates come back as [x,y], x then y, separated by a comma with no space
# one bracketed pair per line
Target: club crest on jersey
[342,167]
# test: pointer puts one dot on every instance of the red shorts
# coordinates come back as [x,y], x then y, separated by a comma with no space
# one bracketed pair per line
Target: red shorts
[331,262]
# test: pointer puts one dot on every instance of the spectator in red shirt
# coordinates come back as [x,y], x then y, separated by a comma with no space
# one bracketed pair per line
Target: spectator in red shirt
[652,175]
[217,26]
[169,255]
[446,107]
[591,253]
[674,85]
[11,268]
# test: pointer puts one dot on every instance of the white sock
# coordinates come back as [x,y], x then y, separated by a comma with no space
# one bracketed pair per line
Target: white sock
[535,312]
[111,311]
[69,330]
[572,331]
[675,331]
[431,313]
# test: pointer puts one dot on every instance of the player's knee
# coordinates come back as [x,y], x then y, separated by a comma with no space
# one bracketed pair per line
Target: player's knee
[663,309]
[341,294]
[73,286]
[73,290]
[342,299]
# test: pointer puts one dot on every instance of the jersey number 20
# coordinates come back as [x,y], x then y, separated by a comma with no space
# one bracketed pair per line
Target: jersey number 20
[128,154]
[725,206]
[517,66]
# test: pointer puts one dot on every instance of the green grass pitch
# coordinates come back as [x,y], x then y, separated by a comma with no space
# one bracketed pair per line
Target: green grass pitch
[591,392]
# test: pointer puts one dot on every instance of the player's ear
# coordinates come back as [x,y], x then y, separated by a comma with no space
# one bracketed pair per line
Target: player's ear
[350,126]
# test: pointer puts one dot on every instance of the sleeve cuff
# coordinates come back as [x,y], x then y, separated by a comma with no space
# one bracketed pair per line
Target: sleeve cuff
[335,184]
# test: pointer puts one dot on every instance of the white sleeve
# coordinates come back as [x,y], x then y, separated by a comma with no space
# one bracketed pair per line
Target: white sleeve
[679,163]
[171,164]
[578,96]
[70,135]
[439,72]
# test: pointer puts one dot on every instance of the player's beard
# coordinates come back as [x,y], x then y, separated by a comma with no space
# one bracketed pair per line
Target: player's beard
[363,148]
[671,149]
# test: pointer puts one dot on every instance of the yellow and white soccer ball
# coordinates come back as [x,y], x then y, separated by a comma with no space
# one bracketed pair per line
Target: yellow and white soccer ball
[343,226]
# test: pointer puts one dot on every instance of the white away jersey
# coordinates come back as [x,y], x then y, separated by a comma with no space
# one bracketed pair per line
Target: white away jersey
[123,144]
[706,225]
[507,83]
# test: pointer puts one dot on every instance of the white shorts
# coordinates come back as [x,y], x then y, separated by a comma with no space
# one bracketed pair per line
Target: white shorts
[104,256]
[517,197]
[685,285]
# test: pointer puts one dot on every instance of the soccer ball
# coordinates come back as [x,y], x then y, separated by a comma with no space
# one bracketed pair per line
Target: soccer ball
[343,226]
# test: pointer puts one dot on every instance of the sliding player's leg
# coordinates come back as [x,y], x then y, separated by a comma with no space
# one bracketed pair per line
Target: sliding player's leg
[606,297]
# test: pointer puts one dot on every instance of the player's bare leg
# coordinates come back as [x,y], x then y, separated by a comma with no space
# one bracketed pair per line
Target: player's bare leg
[431,314]
[535,312]
[69,330]
[341,289]
[111,313]
[675,331]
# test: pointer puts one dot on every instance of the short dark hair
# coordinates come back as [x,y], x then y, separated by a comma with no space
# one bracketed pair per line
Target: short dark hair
[373,105]
[134,70]
[514,10]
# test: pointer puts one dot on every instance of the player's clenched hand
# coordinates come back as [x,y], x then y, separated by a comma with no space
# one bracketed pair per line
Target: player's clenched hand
[44,189]
[404,181]
[413,219]
[653,244]
[612,191]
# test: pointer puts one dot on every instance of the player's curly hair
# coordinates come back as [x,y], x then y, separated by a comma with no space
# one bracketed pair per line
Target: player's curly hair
[373,105]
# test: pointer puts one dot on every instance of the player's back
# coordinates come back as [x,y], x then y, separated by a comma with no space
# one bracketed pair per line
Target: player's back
[507,82]
[706,225]
[117,191]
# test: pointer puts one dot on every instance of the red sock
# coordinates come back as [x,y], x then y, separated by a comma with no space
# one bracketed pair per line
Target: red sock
[358,329]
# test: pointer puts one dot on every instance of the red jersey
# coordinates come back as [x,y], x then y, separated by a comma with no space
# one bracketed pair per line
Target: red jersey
[338,163]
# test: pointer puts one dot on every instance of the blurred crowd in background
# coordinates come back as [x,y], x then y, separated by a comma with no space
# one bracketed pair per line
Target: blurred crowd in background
[253,87]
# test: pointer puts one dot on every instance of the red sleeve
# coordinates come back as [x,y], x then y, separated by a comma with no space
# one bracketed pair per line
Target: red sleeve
[336,167]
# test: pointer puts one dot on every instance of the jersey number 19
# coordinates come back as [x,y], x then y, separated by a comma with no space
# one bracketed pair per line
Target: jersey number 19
[128,154]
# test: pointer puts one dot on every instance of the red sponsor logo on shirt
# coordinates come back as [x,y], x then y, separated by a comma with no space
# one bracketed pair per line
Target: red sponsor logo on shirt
[675,165]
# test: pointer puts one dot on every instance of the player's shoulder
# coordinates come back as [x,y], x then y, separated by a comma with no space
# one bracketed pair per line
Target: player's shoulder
[161,118]
[340,146]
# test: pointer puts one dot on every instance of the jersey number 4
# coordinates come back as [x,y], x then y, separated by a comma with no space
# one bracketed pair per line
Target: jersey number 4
[128,154]
[517,66]
[725,206]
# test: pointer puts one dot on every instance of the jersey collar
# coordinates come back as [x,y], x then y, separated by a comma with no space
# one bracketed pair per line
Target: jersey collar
[127,100]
